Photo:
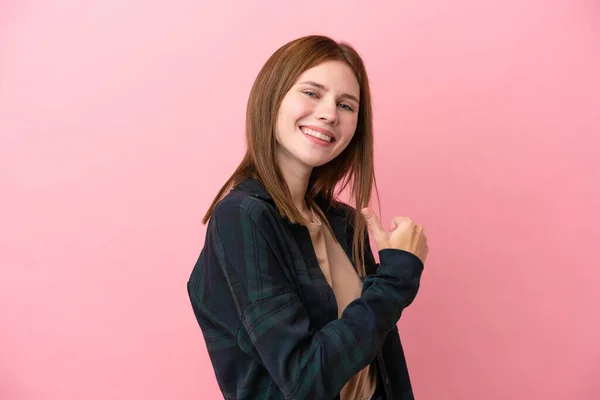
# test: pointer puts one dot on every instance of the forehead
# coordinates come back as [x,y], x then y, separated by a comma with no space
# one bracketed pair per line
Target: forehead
[334,75]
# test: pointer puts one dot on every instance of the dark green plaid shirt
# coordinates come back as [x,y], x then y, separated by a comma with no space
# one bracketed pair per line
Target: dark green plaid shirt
[269,317]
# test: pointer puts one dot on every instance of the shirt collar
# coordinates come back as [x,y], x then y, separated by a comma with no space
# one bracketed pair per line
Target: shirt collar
[256,189]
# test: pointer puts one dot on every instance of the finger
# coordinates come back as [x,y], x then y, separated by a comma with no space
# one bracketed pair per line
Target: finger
[372,221]
[396,221]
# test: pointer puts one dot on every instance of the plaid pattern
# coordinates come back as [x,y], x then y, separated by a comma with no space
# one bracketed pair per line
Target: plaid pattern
[269,317]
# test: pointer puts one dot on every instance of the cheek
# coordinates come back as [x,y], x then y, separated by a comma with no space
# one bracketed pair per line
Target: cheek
[349,128]
[295,107]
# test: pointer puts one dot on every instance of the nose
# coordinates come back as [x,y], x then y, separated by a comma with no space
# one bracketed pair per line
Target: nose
[327,112]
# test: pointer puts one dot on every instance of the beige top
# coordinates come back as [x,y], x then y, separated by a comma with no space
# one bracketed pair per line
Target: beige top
[346,286]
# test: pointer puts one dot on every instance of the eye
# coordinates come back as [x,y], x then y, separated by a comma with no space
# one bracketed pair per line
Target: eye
[346,107]
[309,93]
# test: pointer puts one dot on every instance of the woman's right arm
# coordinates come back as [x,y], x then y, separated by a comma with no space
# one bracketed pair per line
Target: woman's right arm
[275,326]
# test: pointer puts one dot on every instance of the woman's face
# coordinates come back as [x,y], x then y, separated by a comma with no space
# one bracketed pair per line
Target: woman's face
[317,117]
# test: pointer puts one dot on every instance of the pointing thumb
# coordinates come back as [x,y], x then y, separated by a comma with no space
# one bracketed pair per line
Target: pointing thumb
[372,221]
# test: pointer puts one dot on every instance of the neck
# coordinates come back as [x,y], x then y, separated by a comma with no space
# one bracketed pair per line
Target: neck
[297,178]
[298,185]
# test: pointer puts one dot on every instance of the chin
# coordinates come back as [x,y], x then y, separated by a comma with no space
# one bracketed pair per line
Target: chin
[316,163]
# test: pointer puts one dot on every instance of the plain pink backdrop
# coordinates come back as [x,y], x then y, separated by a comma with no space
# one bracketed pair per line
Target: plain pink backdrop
[119,120]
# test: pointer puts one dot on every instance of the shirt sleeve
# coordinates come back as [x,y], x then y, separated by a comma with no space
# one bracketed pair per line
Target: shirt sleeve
[275,330]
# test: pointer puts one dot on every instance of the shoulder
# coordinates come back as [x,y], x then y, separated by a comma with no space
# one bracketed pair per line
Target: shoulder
[238,208]
[342,212]
[344,209]
[237,200]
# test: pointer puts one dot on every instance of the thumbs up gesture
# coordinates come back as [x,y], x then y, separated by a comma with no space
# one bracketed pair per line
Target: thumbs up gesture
[404,234]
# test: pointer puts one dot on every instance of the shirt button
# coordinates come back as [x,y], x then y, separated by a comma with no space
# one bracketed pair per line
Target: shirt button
[387,381]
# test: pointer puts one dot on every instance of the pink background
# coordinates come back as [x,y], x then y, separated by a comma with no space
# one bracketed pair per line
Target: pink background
[119,120]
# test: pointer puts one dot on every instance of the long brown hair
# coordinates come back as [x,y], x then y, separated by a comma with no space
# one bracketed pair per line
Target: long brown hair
[353,166]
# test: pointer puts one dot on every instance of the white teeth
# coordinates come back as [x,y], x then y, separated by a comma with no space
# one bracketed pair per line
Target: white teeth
[316,134]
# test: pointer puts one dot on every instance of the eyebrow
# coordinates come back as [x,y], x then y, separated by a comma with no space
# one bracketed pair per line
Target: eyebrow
[318,85]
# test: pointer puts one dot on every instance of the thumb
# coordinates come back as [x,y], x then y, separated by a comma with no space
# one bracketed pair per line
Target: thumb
[372,221]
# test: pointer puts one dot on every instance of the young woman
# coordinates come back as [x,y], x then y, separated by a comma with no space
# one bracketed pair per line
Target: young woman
[286,290]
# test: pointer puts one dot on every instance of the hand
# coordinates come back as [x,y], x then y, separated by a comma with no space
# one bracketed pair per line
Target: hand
[404,235]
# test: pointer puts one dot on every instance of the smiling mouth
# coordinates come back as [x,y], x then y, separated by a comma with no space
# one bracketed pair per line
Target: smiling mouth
[318,135]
